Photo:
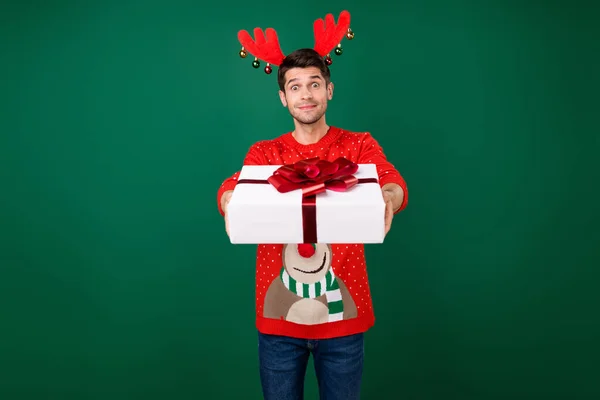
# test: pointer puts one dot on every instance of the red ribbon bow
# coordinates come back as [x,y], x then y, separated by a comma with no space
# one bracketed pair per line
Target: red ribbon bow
[314,176]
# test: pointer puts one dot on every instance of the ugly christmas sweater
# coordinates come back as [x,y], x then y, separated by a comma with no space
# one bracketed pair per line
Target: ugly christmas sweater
[315,291]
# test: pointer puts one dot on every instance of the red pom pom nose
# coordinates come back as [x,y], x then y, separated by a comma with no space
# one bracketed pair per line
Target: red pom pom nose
[306,250]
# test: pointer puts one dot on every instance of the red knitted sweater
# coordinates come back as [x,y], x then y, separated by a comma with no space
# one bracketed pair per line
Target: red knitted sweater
[291,298]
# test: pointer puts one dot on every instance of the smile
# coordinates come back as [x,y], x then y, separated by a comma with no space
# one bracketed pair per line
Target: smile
[316,270]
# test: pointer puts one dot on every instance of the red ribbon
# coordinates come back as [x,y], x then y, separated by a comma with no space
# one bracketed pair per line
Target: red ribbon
[313,176]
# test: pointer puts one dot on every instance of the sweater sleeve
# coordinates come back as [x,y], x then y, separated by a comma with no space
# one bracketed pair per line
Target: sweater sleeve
[372,153]
[254,157]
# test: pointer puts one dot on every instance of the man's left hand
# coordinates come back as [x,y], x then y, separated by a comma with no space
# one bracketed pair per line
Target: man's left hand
[393,195]
[389,209]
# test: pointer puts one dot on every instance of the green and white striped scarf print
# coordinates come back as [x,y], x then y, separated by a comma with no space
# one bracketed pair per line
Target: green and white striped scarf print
[328,286]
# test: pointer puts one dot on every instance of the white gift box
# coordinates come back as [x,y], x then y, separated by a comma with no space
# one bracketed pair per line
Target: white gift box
[258,214]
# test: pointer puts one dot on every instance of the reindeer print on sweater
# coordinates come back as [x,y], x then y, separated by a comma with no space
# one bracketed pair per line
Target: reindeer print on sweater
[307,291]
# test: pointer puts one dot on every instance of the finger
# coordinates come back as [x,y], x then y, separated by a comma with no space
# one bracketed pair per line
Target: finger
[389,216]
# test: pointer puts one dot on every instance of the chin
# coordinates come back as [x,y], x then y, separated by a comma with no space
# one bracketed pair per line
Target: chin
[308,120]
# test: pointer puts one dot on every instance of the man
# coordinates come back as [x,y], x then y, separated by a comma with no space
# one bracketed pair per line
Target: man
[296,315]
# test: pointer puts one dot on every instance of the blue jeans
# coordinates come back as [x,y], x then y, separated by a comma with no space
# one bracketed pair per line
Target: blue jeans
[338,365]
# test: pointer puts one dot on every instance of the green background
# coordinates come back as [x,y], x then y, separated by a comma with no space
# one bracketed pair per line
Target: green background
[119,120]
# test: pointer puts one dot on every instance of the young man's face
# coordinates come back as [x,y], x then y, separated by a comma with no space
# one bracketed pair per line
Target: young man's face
[306,94]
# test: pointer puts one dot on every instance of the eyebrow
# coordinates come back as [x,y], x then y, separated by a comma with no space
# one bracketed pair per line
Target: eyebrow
[312,77]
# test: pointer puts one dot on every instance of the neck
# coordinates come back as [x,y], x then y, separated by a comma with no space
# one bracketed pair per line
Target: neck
[310,133]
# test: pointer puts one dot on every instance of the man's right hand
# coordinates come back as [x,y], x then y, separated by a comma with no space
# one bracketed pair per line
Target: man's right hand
[224,202]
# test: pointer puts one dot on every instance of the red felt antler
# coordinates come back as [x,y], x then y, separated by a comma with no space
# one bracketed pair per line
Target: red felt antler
[328,35]
[265,45]
[266,49]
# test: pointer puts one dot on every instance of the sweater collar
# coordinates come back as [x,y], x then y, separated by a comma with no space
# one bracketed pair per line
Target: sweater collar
[331,135]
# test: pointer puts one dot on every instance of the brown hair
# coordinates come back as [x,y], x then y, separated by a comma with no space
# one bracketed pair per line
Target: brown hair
[302,58]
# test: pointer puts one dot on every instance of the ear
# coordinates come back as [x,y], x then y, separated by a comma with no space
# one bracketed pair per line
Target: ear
[282,98]
[330,91]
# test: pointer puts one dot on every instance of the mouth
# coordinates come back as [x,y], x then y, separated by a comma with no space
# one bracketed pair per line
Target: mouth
[316,270]
[307,107]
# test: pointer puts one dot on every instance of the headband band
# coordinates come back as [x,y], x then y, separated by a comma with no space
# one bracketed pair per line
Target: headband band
[265,45]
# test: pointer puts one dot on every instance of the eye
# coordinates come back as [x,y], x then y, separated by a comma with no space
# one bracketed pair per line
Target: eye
[316,84]
[294,87]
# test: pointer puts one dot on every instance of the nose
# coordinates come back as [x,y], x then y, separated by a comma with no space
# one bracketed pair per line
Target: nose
[306,250]
[306,93]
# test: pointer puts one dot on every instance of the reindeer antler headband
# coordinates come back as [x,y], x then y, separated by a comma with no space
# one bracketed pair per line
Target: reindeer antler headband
[328,36]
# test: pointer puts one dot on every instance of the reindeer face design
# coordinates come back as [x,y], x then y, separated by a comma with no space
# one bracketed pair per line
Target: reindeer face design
[307,290]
